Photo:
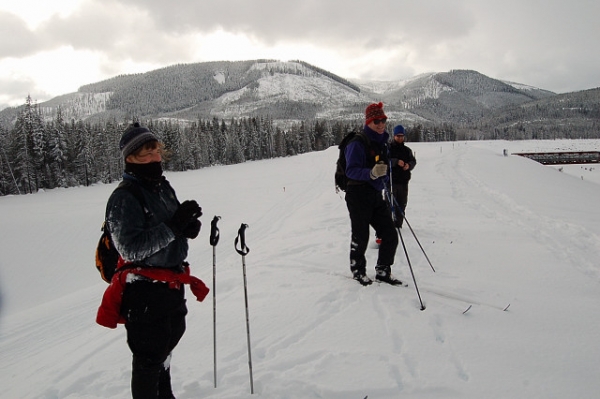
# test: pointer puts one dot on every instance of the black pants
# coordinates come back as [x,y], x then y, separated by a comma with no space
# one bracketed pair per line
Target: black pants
[155,322]
[400,191]
[368,208]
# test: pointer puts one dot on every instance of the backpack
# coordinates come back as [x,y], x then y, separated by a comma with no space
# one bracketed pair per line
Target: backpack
[107,256]
[341,180]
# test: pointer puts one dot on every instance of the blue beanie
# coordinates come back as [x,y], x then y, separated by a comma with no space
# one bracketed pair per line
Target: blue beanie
[399,129]
[135,137]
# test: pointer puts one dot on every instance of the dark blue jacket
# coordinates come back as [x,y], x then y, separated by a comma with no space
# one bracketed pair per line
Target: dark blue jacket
[141,236]
[360,160]
[401,151]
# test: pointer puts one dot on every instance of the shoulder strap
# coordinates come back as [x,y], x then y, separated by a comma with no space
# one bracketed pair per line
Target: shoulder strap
[355,136]
[136,191]
[366,142]
[364,138]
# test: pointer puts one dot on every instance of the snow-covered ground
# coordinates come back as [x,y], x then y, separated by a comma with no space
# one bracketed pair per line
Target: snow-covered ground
[498,229]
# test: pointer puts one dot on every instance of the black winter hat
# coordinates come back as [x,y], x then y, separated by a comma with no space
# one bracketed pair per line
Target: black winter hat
[134,137]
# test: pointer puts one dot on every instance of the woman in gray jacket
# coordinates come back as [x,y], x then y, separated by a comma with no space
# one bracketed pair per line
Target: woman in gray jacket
[152,238]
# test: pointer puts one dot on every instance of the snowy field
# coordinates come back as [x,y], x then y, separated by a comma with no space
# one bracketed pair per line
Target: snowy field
[498,229]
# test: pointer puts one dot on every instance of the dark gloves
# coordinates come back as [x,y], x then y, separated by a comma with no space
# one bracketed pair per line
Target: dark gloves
[192,229]
[185,219]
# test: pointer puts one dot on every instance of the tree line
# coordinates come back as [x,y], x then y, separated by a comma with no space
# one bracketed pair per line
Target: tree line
[38,154]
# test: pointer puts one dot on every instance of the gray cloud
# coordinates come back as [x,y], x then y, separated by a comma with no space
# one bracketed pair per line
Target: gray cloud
[17,39]
[332,22]
[25,87]
[119,31]
[547,41]
[548,44]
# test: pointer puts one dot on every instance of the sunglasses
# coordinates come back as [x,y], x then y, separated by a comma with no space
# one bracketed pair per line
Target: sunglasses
[378,121]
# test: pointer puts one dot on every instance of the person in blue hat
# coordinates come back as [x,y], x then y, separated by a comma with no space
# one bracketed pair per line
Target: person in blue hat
[402,161]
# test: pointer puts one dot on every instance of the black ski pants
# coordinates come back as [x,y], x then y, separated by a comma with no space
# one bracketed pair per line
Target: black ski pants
[400,192]
[155,322]
[368,208]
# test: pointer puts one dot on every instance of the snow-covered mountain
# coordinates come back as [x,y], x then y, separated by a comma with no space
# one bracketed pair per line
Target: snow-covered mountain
[291,90]
[465,101]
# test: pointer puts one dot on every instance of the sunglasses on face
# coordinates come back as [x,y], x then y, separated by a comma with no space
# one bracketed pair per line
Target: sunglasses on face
[378,121]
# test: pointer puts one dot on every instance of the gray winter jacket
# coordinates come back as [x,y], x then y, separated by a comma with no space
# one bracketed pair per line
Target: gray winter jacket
[141,235]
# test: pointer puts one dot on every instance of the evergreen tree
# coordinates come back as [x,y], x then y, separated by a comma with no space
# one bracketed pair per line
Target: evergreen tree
[23,148]
[207,145]
[235,152]
[5,167]
[57,156]
[253,144]
[279,143]
[193,133]
[219,141]
[39,148]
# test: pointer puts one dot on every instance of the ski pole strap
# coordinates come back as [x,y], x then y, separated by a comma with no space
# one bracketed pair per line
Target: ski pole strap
[214,231]
[241,238]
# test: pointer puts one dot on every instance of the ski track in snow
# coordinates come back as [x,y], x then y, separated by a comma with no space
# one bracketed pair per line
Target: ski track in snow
[569,241]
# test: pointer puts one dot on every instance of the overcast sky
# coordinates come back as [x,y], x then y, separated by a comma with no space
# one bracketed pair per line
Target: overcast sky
[52,47]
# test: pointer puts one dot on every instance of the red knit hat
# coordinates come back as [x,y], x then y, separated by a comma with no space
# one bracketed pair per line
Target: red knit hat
[374,111]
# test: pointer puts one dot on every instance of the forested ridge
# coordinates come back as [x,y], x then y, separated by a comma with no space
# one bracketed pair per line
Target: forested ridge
[38,154]
[230,112]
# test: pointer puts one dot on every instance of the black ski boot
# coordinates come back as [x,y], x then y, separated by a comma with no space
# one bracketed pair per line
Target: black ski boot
[384,275]
[361,277]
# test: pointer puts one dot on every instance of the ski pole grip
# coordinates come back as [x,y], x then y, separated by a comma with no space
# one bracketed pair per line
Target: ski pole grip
[214,231]
[241,238]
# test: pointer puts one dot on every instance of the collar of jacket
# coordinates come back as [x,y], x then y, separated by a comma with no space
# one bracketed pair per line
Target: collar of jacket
[151,185]
[376,137]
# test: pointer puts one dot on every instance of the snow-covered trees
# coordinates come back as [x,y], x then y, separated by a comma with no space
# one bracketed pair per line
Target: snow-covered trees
[41,154]
[38,154]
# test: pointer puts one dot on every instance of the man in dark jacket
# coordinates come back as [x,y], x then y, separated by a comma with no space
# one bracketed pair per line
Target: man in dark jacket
[151,237]
[366,169]
[402,161]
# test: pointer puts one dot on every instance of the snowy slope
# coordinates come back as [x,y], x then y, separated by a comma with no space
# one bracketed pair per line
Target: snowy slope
[497,229]
[280,87]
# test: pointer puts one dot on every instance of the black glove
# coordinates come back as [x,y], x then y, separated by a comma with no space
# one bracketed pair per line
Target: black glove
[192,229]
[187,212]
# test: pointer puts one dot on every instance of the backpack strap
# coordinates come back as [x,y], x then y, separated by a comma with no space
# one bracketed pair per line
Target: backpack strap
[364,139]
[136,191]
[362,136]
[353,136]
[371,151]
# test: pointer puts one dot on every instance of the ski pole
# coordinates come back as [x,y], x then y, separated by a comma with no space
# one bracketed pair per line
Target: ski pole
[243,250]
[411,269]
[415,236]
[214,240]
[393,204]
[418,242]
[388,194]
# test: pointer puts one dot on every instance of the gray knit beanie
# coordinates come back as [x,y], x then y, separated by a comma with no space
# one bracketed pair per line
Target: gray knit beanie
[134,137]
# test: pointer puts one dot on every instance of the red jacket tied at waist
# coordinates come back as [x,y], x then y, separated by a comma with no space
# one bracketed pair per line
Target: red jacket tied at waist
[109,311]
